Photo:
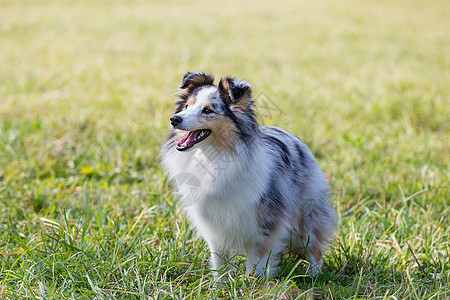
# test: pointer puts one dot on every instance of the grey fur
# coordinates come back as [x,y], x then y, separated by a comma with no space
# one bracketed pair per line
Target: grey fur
[269,194]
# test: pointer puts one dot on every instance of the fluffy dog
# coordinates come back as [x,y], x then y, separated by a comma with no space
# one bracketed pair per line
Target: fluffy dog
[244,187]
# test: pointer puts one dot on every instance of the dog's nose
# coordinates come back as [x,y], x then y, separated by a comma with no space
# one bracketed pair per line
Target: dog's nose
[175,120]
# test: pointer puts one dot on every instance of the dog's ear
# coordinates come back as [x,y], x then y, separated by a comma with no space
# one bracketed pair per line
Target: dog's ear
[194,79]
[235,93]
[190,81]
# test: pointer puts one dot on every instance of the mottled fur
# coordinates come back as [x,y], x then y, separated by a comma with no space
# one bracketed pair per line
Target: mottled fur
[245,187]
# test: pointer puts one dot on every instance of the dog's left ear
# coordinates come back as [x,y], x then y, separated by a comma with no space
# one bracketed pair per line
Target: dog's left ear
[235,93]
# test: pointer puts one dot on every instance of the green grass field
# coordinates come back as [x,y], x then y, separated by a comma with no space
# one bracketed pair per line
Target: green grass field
[86,90]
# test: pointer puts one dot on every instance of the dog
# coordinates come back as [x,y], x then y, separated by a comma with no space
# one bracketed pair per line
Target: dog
[244,187]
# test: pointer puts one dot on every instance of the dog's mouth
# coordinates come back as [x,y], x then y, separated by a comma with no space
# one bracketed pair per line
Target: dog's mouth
[192,138]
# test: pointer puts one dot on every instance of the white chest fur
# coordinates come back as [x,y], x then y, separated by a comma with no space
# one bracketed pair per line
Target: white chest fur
[219,192]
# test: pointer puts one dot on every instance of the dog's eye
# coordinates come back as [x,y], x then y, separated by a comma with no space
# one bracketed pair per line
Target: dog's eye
[206,110]
[186,106]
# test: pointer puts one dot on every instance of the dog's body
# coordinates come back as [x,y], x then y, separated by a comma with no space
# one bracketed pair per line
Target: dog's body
[245,187]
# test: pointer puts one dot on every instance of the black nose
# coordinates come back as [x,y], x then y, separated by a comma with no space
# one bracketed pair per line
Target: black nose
[175,120]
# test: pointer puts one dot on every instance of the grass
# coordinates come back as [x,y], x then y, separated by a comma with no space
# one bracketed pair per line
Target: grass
[86,89]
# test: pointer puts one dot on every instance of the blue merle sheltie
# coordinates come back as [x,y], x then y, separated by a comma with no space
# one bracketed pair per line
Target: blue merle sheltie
[244,187]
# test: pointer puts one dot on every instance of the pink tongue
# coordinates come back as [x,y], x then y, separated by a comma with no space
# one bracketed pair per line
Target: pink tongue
[189,138]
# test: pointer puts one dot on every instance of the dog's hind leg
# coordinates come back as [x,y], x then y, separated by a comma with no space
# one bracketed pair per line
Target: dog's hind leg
[262,262]
[264,256]
[315,230]
[314,256]
[308,245]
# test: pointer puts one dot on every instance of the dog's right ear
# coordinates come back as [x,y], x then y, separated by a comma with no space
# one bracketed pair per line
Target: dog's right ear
[190,81]
[194,79]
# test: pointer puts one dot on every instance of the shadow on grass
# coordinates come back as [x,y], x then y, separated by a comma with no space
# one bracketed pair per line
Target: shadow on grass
[346,273]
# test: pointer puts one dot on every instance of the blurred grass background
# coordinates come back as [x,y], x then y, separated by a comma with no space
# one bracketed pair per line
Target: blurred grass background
[86,89]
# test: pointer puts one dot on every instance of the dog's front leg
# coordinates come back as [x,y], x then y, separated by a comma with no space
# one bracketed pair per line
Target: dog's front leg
[219,259]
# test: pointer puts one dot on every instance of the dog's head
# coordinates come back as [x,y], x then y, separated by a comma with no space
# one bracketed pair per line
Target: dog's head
[212,114]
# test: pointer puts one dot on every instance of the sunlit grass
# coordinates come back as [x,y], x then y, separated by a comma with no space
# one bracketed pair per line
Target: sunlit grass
[86,89]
